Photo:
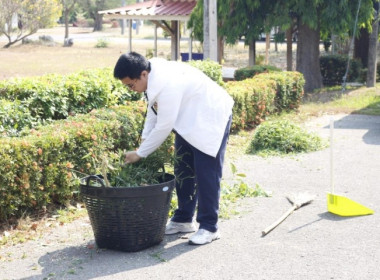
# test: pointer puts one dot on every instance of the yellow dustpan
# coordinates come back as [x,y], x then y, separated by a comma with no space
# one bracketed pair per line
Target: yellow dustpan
[338,204]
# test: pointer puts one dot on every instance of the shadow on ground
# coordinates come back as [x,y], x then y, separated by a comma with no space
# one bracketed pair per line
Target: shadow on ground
[355,121]
[88,262]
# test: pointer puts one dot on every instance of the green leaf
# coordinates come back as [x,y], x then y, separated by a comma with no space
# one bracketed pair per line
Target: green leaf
[233,168]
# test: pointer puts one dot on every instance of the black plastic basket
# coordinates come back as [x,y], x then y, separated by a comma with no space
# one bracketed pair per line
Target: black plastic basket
[127,219]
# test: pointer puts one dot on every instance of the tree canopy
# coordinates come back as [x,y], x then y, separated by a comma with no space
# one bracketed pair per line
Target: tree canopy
[246,19]
[22,18]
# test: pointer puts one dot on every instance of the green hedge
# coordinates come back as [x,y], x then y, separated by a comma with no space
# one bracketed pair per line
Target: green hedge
[38,100]
[264,94]
[34,167]
[14,116]
[289,88]
[35,170]
[253,101]
[249,72]
[54,97]
[211,68]
[333,69]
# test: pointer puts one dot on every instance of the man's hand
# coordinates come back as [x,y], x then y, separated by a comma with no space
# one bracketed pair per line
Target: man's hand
[131,157]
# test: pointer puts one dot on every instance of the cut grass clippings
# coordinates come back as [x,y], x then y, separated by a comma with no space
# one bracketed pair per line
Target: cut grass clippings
[279,137]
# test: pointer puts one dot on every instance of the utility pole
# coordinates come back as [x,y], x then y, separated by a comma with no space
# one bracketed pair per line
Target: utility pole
[213,30]
[210,36]
[122,21]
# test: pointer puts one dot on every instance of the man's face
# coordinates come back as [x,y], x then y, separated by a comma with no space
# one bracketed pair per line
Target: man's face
[139,84]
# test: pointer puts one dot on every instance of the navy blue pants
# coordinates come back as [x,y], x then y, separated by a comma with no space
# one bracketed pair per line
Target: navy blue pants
[198,178]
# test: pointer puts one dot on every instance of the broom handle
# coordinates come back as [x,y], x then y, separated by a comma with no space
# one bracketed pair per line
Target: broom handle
[332,155]
[279,221]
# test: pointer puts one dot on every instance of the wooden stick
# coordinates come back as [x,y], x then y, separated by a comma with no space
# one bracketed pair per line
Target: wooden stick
[279,221]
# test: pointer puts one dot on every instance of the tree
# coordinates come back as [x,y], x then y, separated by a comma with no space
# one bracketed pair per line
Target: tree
[68,6]
[92,7]
[22,18]
[373,39]
[314,17]
[206,28]
[244,20]
[247,19]
[236,20]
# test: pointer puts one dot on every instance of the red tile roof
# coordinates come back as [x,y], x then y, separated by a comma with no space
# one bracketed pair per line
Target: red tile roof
[154,10]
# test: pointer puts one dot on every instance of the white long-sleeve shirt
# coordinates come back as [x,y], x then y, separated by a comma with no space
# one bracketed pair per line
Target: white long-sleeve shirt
[188,101]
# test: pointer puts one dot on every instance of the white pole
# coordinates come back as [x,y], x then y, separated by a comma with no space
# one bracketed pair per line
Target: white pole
[332,155]
[213,16]
[130,35]
[155,40]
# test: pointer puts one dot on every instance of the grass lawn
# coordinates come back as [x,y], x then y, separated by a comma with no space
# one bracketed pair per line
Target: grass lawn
[36,59]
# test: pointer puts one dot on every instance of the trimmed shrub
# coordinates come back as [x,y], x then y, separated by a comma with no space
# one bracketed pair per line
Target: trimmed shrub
[14,117]
[37,169]
[262,95]
[253,101]
[53,97]
[289,89]
[211,68]
[249,72]
[333,69]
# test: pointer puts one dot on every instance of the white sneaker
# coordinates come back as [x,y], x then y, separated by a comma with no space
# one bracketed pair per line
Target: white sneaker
[203,236]
[174,227]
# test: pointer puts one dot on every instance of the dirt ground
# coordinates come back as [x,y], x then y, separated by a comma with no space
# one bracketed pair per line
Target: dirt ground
[39,59]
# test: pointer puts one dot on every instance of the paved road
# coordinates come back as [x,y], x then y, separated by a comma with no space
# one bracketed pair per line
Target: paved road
[310,244]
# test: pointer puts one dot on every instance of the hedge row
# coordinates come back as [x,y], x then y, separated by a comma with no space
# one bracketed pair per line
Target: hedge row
[37,169]
[39,100]
[263,95]
[333,69]
[251,71]
[211,68]
[289,89]
[54,97]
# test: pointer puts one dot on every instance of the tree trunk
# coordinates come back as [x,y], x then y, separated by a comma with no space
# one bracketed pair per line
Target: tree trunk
[308,57]
[289,49]
[267,47]
[252,53]
[206,29]
[220,49]
[373,38]
[98,22]
[66,17]
[361,47]
[7,45]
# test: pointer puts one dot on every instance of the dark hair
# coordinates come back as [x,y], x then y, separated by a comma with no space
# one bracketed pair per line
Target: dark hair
[130,65]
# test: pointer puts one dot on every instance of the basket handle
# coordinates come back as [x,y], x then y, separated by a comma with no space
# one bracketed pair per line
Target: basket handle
[96,178]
